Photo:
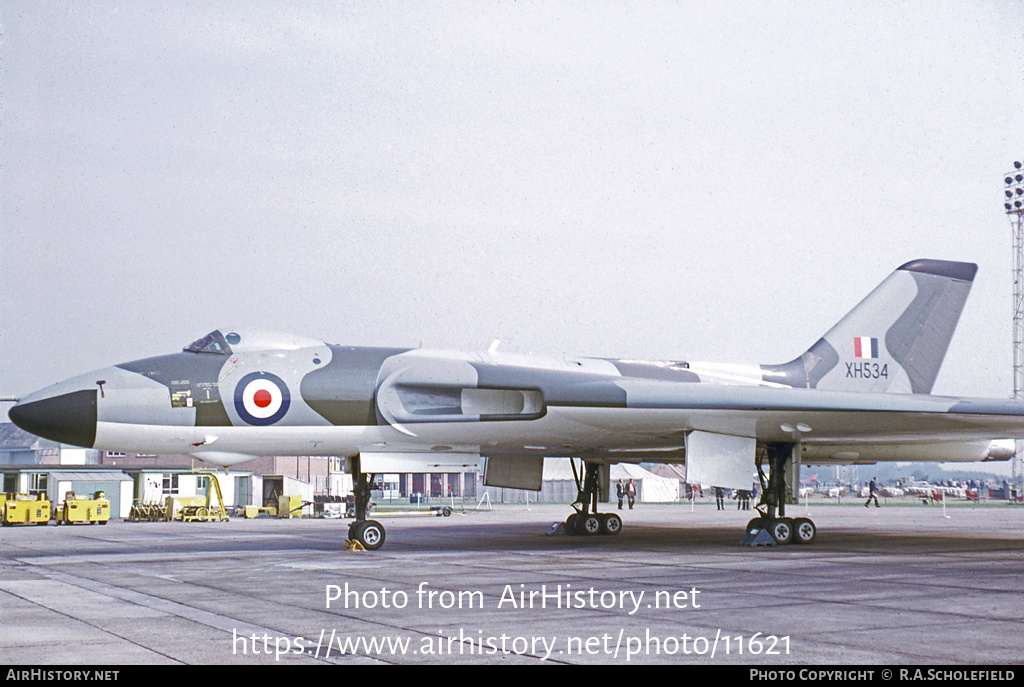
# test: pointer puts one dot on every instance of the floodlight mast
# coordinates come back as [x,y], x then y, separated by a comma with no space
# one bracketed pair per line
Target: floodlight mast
[1014,207]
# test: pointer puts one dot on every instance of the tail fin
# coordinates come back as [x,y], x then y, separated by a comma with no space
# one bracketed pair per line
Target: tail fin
[894,340]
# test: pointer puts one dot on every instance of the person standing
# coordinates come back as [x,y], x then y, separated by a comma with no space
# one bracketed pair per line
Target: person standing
[631,493]
[720,498]
[620,491]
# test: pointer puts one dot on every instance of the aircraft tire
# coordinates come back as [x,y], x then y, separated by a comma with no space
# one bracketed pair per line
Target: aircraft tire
[804,531]
[369,533]
[754,525]
[588,524]
[570,522]
[611,524]
[782,531]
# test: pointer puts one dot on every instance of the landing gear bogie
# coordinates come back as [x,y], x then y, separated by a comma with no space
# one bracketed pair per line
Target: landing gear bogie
[772,506]
[586,520]
[587,524]
[781,530]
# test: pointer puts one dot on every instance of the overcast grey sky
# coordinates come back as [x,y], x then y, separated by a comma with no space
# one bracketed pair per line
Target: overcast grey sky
[688,180]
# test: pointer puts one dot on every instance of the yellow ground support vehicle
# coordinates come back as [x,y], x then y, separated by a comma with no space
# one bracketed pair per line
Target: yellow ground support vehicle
[83,509]
[24,509]
[206,511]
[175,506]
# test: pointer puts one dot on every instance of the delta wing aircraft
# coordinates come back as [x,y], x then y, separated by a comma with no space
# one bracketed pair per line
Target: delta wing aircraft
[860,394]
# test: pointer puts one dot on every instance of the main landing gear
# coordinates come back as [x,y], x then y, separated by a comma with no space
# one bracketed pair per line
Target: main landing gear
[368,534]
[586,520]
[783,530]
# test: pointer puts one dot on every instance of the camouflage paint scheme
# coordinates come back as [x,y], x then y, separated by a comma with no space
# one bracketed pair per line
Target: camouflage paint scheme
[861,393]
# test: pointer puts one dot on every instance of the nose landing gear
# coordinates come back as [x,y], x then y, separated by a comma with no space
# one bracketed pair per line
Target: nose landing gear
[367,534]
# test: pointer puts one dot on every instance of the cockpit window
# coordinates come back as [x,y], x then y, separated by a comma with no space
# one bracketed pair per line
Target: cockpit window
[211,343]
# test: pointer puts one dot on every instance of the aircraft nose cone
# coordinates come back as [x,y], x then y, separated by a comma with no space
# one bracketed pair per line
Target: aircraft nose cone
[68,418]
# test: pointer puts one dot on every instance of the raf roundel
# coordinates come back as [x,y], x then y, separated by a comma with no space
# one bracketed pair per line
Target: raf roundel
[261,398]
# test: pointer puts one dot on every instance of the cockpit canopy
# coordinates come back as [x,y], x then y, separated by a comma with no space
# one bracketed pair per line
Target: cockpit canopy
[241,340]
[213,342]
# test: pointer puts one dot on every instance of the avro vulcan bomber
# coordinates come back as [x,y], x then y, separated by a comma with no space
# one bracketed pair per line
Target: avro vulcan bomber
[860,394]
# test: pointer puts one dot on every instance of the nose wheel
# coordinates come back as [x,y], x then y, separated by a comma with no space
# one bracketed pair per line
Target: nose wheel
[363,533]
[368,533]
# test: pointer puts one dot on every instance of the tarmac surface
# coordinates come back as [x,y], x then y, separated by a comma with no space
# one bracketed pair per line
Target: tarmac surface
[893,586]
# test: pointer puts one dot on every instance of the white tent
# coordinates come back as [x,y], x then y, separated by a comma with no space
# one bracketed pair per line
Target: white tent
[559,485]
[650,488]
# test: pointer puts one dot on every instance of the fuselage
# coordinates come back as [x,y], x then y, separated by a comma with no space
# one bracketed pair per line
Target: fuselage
[235,394]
